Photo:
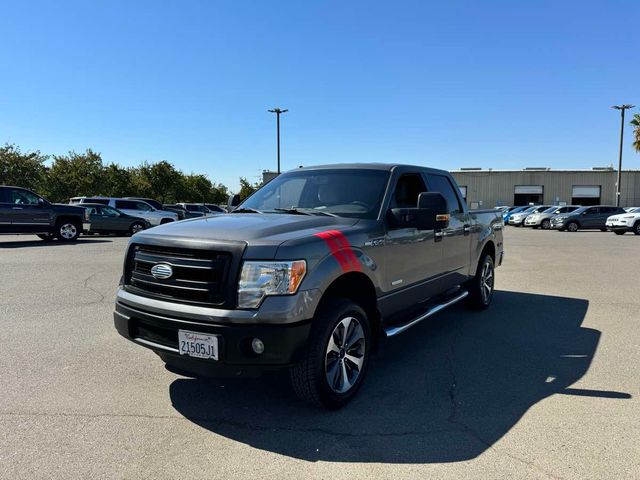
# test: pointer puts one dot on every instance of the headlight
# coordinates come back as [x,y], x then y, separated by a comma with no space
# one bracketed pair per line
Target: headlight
[629,216]
[259,279]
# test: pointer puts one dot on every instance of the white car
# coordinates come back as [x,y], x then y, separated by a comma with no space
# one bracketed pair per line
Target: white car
[624,222]
[543,219]
[137,208]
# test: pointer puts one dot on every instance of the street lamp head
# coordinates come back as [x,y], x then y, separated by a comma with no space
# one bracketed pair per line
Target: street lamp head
[278,110]
[623,107]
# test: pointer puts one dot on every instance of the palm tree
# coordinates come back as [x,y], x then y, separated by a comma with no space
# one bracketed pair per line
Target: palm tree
[636,131]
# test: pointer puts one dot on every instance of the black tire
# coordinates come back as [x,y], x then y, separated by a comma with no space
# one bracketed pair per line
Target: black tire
[166,220]
[479,298]
[546,225]
[636,228]
[603,229]
[572,227]
[67,230]
[622,232]
[309,378]
[47,237]
[136,227]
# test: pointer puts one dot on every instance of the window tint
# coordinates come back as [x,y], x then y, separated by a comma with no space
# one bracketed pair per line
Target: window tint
[112,212]
[608,210]
[143,206]
[4,195]
[191,208]
[441,184]
[215,208]
[22,197]
[409,186]
[125,205]
[102,201]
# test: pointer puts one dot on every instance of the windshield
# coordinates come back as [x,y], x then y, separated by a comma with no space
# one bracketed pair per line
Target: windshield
[353,193]
[550,210]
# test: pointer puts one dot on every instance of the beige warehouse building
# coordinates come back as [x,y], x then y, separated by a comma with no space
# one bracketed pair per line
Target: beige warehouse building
[489,188]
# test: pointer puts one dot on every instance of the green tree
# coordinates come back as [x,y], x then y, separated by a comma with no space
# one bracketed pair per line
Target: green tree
[636,131]
[117,181]
[246,188]
[22,169]
[75,174]
[157,180]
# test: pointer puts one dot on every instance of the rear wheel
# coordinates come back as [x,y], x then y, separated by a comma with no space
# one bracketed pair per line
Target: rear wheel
[572,226]
[481,286]
[545,225]
[335,362]
[67,231]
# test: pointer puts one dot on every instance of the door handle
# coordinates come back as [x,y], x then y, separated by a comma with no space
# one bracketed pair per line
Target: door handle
[467,229]
[17,208]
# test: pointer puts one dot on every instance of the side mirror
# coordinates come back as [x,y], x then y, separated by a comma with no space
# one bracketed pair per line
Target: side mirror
[41,202]
[234,201]
[431,213]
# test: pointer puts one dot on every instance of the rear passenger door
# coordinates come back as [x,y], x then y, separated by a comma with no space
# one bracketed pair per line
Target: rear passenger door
[456,238]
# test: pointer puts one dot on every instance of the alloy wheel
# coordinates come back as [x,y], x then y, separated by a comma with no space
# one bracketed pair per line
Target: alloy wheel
[68,231]
[136,227]
[486,282]
[344,356]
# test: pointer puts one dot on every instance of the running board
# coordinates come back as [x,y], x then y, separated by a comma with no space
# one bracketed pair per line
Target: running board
[395,330]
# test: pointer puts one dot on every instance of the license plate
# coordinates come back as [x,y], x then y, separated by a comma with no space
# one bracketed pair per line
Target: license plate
[199,345]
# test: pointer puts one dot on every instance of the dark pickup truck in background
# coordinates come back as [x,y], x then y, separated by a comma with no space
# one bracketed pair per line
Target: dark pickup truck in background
[307,274]
[25,212]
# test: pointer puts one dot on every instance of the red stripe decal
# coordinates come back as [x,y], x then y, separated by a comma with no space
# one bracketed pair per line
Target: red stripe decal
[340,249]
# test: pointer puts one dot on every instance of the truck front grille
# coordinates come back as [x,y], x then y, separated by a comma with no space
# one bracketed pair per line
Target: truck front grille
[198,277]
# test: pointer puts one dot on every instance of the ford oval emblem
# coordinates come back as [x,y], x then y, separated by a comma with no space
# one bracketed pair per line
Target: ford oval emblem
[161,271]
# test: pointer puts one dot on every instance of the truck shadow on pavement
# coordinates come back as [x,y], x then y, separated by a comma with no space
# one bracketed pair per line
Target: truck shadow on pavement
[53,243]
[445,391]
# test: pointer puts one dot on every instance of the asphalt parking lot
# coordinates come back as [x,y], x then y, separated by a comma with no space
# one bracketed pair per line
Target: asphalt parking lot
[543,384]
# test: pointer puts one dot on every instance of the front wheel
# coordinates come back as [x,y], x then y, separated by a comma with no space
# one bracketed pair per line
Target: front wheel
[67,231]
[481,286]
[546,224]
[636,228]
[335,362]
[572,226]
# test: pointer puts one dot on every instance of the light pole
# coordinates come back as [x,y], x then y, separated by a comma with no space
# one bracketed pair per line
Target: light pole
[622,108]
[278,111]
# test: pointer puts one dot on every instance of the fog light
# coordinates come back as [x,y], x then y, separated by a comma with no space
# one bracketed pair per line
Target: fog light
[257,345]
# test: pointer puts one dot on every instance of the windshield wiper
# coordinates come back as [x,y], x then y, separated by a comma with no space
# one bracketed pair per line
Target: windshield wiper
[304,211]
[245,210]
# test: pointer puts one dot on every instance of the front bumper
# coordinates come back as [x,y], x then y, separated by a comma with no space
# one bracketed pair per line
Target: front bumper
[516,221]
[284,342]
[532,222]
[619,225]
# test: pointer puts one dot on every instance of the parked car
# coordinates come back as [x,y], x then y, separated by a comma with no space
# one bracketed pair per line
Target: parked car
[178,210]
[624,222]
[517,219]
[543,219]
[585,218]
[507,215]
[105,219]
[25,212]
[136,208]
[154,203]
[198,209]
[215,208]
[632,209]
[308,280]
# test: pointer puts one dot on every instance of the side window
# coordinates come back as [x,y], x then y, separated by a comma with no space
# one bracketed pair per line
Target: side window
[126,205]
[409,186]
[23,197]
[142,206]
[592,211]
[441,184]
[191,208]
[4,197]
[109,211]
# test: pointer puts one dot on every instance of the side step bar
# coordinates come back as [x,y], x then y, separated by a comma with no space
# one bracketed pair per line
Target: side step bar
[395,330]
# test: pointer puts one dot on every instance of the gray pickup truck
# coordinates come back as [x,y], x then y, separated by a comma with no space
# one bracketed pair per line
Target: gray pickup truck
[308,274]
[25,212]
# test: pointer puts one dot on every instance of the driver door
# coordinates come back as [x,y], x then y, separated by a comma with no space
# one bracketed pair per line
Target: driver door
[28,212]
[414,257]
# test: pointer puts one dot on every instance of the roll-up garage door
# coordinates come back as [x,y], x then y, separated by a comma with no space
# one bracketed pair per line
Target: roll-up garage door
[585,195]
[529,189]
[528,195]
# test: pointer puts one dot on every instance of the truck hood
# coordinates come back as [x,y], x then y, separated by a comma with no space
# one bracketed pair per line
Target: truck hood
[65,208]
[255,229]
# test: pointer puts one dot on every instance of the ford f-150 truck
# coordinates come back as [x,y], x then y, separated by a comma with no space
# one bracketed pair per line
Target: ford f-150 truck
[308,274]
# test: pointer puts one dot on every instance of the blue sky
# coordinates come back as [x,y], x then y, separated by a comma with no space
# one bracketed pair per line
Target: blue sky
[447,84]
